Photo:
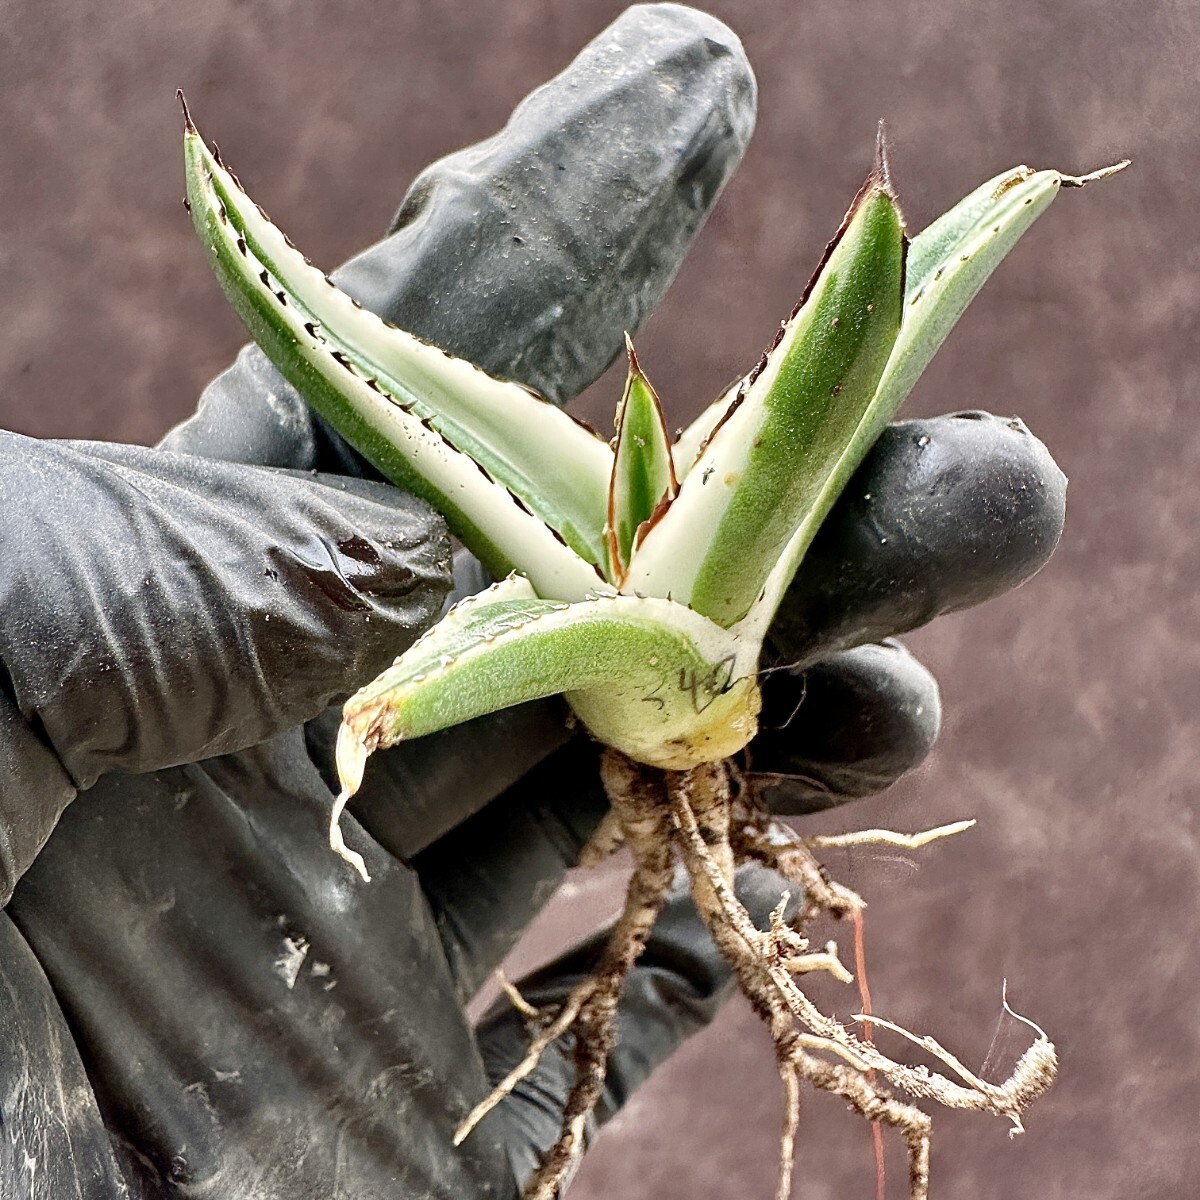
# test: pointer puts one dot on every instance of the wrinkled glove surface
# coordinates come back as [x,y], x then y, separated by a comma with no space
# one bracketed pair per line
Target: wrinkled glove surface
[196,997]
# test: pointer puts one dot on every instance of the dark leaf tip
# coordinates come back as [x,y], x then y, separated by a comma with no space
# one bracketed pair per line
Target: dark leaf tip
[1091,177]
[188,124]
[877,180]
[635,367]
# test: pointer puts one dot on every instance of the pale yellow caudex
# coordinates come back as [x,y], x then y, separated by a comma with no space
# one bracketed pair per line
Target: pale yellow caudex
[640,579]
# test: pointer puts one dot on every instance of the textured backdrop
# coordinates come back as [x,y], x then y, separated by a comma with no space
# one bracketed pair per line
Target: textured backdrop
[1071,705]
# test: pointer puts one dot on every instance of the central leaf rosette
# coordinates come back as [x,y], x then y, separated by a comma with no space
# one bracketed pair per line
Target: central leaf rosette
[638,578]
[659,659]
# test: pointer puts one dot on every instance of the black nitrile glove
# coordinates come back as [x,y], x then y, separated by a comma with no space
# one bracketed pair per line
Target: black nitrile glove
[197,998]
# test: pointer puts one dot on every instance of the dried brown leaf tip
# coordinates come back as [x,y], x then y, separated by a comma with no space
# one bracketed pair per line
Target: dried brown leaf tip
[883,170]
[188,124]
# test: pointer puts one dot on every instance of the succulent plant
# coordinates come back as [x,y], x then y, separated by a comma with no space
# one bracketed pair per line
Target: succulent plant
[639,578]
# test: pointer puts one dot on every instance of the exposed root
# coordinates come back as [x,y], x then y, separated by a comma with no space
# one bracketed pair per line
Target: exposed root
[864,997]
[873,1105]
[1032,1076]
[888,837]
[791,1123]
[756,836]
[514,996]
[793,951]
[707,818]
[561,1023]
[607,838]
[590,1010]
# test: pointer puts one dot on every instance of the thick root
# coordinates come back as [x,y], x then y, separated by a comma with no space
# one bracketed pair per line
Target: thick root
[589,1012]
[761,962]
[646,832]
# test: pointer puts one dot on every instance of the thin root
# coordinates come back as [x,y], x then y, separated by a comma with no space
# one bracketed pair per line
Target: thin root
[514,996]
[792,948]
[646,825]
[757,836]
[777,996]
[559,1026]
[591,1008]
[791,1123]
[887,837]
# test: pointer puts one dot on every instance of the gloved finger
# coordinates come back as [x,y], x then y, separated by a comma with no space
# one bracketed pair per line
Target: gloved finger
[488,878]
[675,989]
[843,728]
[837,731]
[532,252]
[162,608]
[943,514]
[255,1022]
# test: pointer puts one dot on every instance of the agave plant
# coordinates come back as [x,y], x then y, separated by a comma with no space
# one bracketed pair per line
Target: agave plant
[639,578]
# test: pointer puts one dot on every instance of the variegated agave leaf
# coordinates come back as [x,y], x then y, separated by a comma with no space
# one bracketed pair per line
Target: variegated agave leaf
[521,483]
[948,264]
[660,681]
[665,664]
[788,426]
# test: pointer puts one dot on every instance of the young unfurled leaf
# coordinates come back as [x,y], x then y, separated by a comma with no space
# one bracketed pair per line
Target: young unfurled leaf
[643,477]
[786,431]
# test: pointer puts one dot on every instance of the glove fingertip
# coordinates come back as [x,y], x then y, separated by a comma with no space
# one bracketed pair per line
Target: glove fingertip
[847,727]
[942,515]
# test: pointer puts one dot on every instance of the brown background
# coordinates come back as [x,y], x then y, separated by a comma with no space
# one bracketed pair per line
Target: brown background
[1071,705]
